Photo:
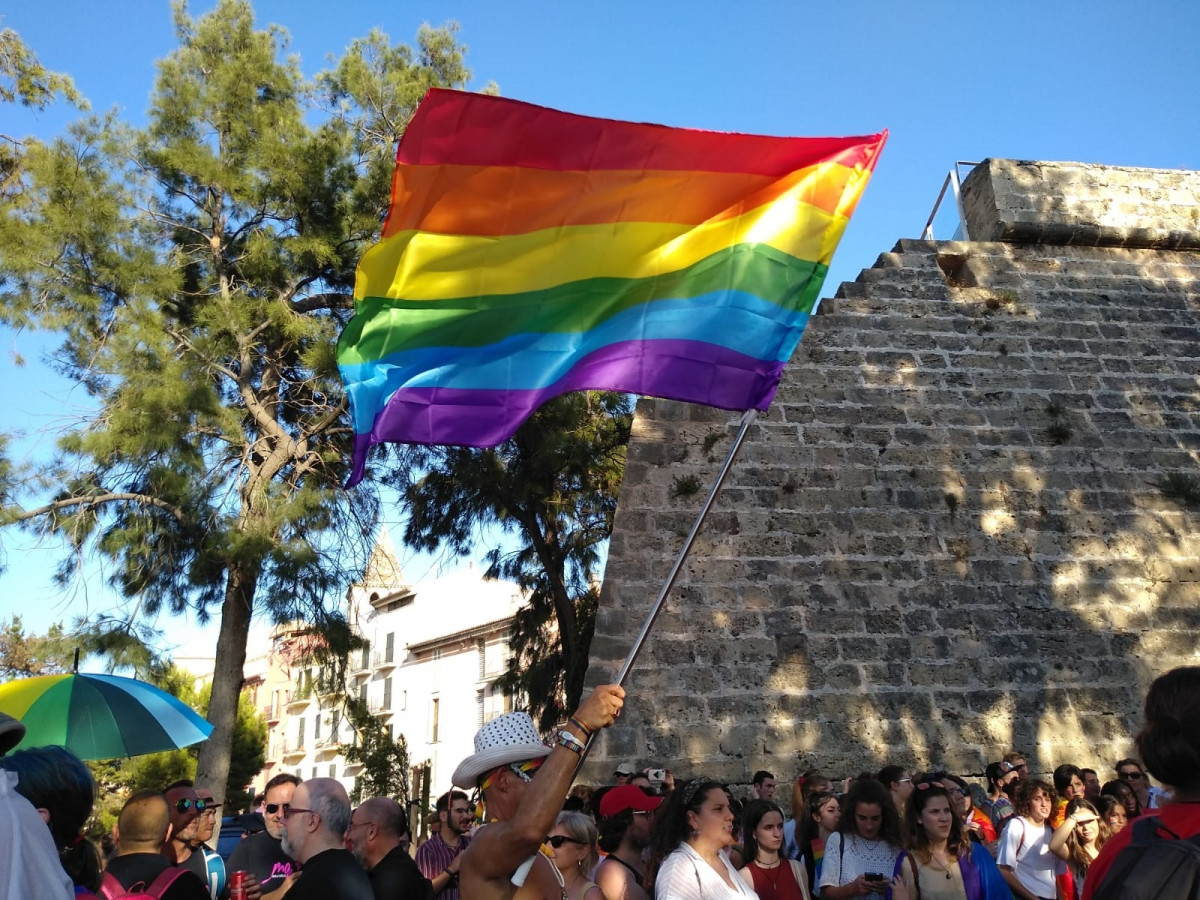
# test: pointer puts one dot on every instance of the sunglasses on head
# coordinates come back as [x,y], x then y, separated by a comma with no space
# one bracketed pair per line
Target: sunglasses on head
[558,840]
[186,804]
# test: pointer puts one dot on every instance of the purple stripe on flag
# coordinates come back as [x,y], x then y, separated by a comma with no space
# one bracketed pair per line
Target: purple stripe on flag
[691,371]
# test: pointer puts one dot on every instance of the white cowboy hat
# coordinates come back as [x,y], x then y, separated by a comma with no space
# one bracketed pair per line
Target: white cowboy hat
[506,739]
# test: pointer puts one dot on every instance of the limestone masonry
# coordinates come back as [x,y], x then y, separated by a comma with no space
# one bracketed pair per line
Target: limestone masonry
[966,525]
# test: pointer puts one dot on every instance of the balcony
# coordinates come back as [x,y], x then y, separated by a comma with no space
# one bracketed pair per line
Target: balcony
[381,663]
[376,707]
[299,698]
[327,746]
[293,751]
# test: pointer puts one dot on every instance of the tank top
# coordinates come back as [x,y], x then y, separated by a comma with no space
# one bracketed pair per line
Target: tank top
[778,883]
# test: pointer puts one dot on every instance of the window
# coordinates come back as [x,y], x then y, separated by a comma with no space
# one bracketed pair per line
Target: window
[389,653]
[333,770]
[362,693]
[300,734]
[366,657]
[433,720]
[387,693]
[482,648]
[314,774]
[335,724]
[317,727]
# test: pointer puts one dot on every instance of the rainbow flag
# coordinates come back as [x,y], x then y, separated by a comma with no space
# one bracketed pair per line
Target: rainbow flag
[530,252]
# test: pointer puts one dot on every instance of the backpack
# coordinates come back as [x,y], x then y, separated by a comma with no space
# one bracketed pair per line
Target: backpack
[111,889]
[1153,867]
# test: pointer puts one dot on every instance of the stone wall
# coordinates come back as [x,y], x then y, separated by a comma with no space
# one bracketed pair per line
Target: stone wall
[963,526]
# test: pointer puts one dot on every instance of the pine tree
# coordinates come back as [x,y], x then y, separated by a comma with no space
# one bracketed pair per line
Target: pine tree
[199,270]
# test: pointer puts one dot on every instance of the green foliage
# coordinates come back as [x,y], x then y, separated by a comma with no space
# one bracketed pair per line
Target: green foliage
[553,486]
[685,486]
[26,81]
[199,269]
[384,759]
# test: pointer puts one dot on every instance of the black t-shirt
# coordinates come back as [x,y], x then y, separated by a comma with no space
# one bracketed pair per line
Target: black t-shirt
[145,867]
[262,856]
[332,875]
[397,877]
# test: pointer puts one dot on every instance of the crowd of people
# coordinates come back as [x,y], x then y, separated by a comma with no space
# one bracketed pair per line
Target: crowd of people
[894,833]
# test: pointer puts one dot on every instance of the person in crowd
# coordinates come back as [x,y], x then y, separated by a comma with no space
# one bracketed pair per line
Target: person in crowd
[1024,858]
[141,832]
[772,875]
[940,862]
[522,805]
[899,782]
[820,820]
[623,773]
[1002,778]
[735,851]
[438,857]
[1068,783]
[1016,759]
[262,854]
[977,824]
[1077,841]
[28,857]
[583,794]
[1126,795]
[314,834]
[624,827]
[202,849]
[373,837]
[694,828]
[803,787]
[762,785]
[1112,813]
[62,790]
[861,854]
[1091,785]
[185,808]
[572,843]
[1169,743]
[1148,796]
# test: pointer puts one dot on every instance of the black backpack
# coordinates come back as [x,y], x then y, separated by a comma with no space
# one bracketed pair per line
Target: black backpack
[1153,867]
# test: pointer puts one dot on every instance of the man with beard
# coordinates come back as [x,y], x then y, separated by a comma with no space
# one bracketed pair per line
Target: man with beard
[437,858]
[185,808]
[625,816]
[262,854]
[204,860]
[314,834]
[503,862]
[374,837]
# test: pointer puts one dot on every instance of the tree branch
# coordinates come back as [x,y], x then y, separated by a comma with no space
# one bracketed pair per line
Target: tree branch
[100,500]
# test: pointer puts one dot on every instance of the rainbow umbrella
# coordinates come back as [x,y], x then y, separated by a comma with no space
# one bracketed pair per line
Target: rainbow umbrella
[100,716]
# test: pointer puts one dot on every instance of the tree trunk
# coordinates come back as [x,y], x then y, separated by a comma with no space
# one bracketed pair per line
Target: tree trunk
[212,769]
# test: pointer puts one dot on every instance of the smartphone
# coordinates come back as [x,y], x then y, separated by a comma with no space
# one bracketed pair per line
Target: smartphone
[873,876]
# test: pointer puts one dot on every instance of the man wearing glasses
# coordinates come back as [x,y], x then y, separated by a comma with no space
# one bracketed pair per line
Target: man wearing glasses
[262,854]
[1130,771]
[204,860]
[314,834]
[185,807]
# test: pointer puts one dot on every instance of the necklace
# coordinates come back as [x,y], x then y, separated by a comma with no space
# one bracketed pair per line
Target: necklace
[767,870]
[939,866]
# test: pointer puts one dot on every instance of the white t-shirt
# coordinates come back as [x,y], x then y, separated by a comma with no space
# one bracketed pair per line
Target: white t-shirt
[1025,847]
[861,856]
[684,875]
[29,865]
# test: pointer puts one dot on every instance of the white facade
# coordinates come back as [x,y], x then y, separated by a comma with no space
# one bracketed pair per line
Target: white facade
[434,651]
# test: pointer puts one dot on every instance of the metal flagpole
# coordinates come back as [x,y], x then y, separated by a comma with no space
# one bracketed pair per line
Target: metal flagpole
[747,420]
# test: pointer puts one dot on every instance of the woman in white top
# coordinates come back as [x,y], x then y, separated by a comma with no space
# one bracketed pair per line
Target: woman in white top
[693,828]
[861,855]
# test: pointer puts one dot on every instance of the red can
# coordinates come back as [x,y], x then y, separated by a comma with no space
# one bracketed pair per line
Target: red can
[237,885]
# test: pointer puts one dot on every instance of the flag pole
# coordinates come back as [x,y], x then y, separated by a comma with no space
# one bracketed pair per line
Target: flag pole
[747,420]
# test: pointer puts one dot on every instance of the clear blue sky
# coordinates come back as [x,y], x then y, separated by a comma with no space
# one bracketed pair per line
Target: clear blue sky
[1101,82]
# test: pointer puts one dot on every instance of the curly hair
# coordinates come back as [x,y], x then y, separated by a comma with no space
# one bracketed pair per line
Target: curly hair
[870,792]
[915,838]
[671,827]
[1026,791]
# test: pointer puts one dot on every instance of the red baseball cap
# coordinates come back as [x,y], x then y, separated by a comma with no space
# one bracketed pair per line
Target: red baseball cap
[627,796]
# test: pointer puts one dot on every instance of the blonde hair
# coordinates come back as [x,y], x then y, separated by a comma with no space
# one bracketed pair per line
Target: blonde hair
[582,828]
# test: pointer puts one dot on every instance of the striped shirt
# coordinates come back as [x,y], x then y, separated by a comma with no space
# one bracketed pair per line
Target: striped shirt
[435,855]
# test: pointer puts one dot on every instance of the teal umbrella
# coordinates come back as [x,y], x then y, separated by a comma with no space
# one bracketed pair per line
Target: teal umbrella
[100,716]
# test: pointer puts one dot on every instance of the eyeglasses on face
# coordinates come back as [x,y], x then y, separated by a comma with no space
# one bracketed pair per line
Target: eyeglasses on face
[187,803]
[558,840]
[289,810]
[354,825]
[1136,776]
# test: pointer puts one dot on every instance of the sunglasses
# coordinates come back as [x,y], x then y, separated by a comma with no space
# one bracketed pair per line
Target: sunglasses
[558,840]
[1137,776]
[524,770]
[184,805]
